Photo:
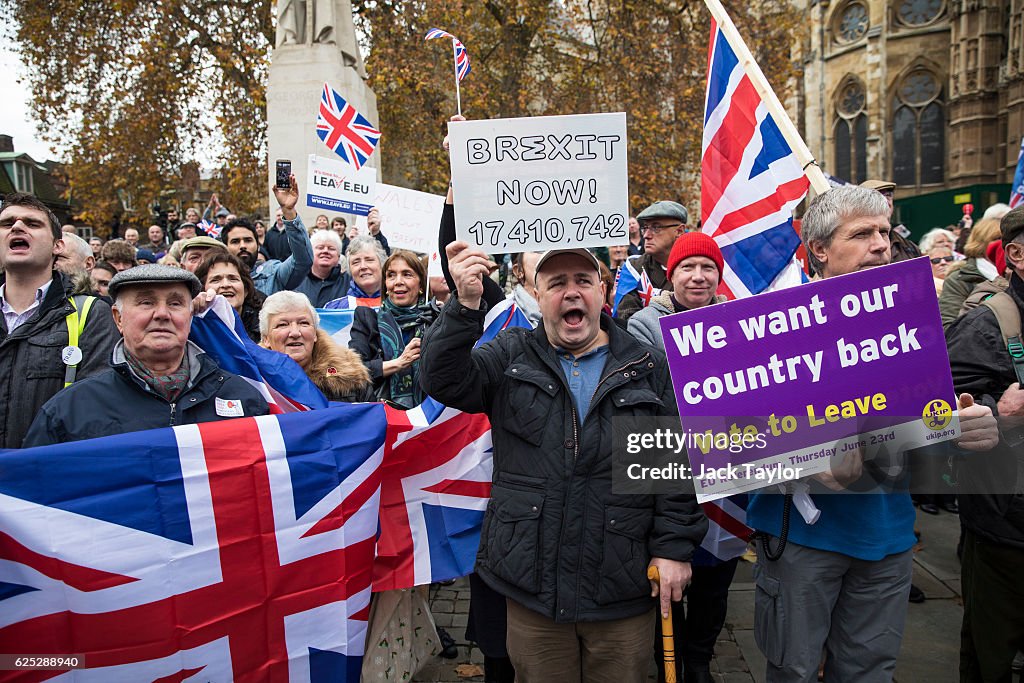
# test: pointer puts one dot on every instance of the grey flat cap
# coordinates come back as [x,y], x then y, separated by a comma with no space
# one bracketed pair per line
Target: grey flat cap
[153,273]
[1012,224]
[201,242]
[665,209]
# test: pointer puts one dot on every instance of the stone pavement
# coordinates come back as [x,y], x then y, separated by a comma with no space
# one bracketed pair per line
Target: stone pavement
[931,641]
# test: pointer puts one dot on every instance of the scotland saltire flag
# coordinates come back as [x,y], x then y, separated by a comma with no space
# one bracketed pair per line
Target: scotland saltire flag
[227,551]
[344,130]
[629,279]
[1017,191]
[750,180]
[219,331]
[462,67]
[337,323]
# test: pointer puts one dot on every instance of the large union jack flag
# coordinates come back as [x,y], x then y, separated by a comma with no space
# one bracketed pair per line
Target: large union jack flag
[462,67]
[436,470]
[435,486]
[344,130]
[750,180]
[230,551]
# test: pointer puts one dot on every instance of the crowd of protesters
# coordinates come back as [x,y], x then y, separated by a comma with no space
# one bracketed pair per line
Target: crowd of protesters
[561,589]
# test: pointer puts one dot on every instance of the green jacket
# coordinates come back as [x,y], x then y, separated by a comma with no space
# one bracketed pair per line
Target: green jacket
[957,286]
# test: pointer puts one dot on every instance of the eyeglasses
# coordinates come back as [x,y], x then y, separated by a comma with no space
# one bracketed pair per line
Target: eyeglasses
[655,229]
[940,259]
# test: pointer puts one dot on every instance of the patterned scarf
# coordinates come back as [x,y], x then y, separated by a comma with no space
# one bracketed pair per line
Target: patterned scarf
[398,326]
[167,386]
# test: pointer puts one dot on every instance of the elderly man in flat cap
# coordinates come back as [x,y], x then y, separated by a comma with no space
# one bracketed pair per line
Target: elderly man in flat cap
[660,224]
[158,377]
[194,250]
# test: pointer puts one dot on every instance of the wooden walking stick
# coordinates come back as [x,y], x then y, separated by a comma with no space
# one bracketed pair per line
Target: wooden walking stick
[668,643]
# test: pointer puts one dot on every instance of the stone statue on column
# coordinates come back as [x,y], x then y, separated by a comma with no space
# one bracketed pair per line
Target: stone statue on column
[331,22]
[315,44]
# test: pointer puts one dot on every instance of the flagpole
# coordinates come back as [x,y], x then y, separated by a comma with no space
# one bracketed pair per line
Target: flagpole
[771,100]
[455,63]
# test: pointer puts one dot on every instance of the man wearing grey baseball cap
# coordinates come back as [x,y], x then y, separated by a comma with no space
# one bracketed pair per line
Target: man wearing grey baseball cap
[569,554]
[158,377]
[660,224]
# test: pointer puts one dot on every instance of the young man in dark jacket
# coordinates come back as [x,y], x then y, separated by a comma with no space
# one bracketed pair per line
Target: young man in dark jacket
[569,554]
[993,517]
[159,378]
[36,302]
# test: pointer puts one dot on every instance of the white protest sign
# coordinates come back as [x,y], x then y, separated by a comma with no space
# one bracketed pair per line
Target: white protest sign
[408,218]
[539,183]
[337,186]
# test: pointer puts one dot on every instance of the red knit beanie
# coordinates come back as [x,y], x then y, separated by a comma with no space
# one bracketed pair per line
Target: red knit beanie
[996,255]
[694,244]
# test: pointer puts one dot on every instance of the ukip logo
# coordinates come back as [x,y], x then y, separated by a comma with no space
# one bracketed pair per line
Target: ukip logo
[937,414]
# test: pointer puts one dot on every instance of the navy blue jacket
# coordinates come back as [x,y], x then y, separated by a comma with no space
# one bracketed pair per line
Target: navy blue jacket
[118,401]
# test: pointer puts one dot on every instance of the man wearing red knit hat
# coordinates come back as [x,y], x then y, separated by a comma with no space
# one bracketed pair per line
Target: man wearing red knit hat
[694,271]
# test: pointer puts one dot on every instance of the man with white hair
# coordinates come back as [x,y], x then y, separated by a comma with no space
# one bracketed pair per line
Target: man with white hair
[326,280]
[841,585]
[996,211]
[77,257]
[131,236]
[165,378]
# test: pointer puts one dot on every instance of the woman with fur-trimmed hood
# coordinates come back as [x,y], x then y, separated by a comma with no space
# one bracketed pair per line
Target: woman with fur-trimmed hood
[290,325]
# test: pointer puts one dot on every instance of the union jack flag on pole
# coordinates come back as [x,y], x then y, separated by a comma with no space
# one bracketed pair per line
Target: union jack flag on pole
[344,130]
[459,54]
[752,169]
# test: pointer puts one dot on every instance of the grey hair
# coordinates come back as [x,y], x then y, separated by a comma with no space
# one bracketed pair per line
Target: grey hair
[366,243]
[828,211]
[326,236]
[927,242]
[75,243]
[997,211]
[282,302]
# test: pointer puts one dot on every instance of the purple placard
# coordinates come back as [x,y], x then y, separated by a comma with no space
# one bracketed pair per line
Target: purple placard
[870,344]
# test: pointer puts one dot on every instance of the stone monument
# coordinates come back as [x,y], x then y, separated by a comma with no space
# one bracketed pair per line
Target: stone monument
[315,43]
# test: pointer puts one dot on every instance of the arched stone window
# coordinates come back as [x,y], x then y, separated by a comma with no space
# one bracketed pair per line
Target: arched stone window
[851,22]
[918,130]
[914,13]
[850,133]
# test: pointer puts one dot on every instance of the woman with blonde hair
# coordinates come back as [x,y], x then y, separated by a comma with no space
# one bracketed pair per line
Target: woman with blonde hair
[290,325]
[965,275]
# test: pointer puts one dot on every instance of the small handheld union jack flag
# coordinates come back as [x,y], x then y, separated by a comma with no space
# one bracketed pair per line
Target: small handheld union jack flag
[459,54]
[211,229]
[344,130]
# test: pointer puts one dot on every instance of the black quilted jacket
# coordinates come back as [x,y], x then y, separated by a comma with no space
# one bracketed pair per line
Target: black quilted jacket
[555,537]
